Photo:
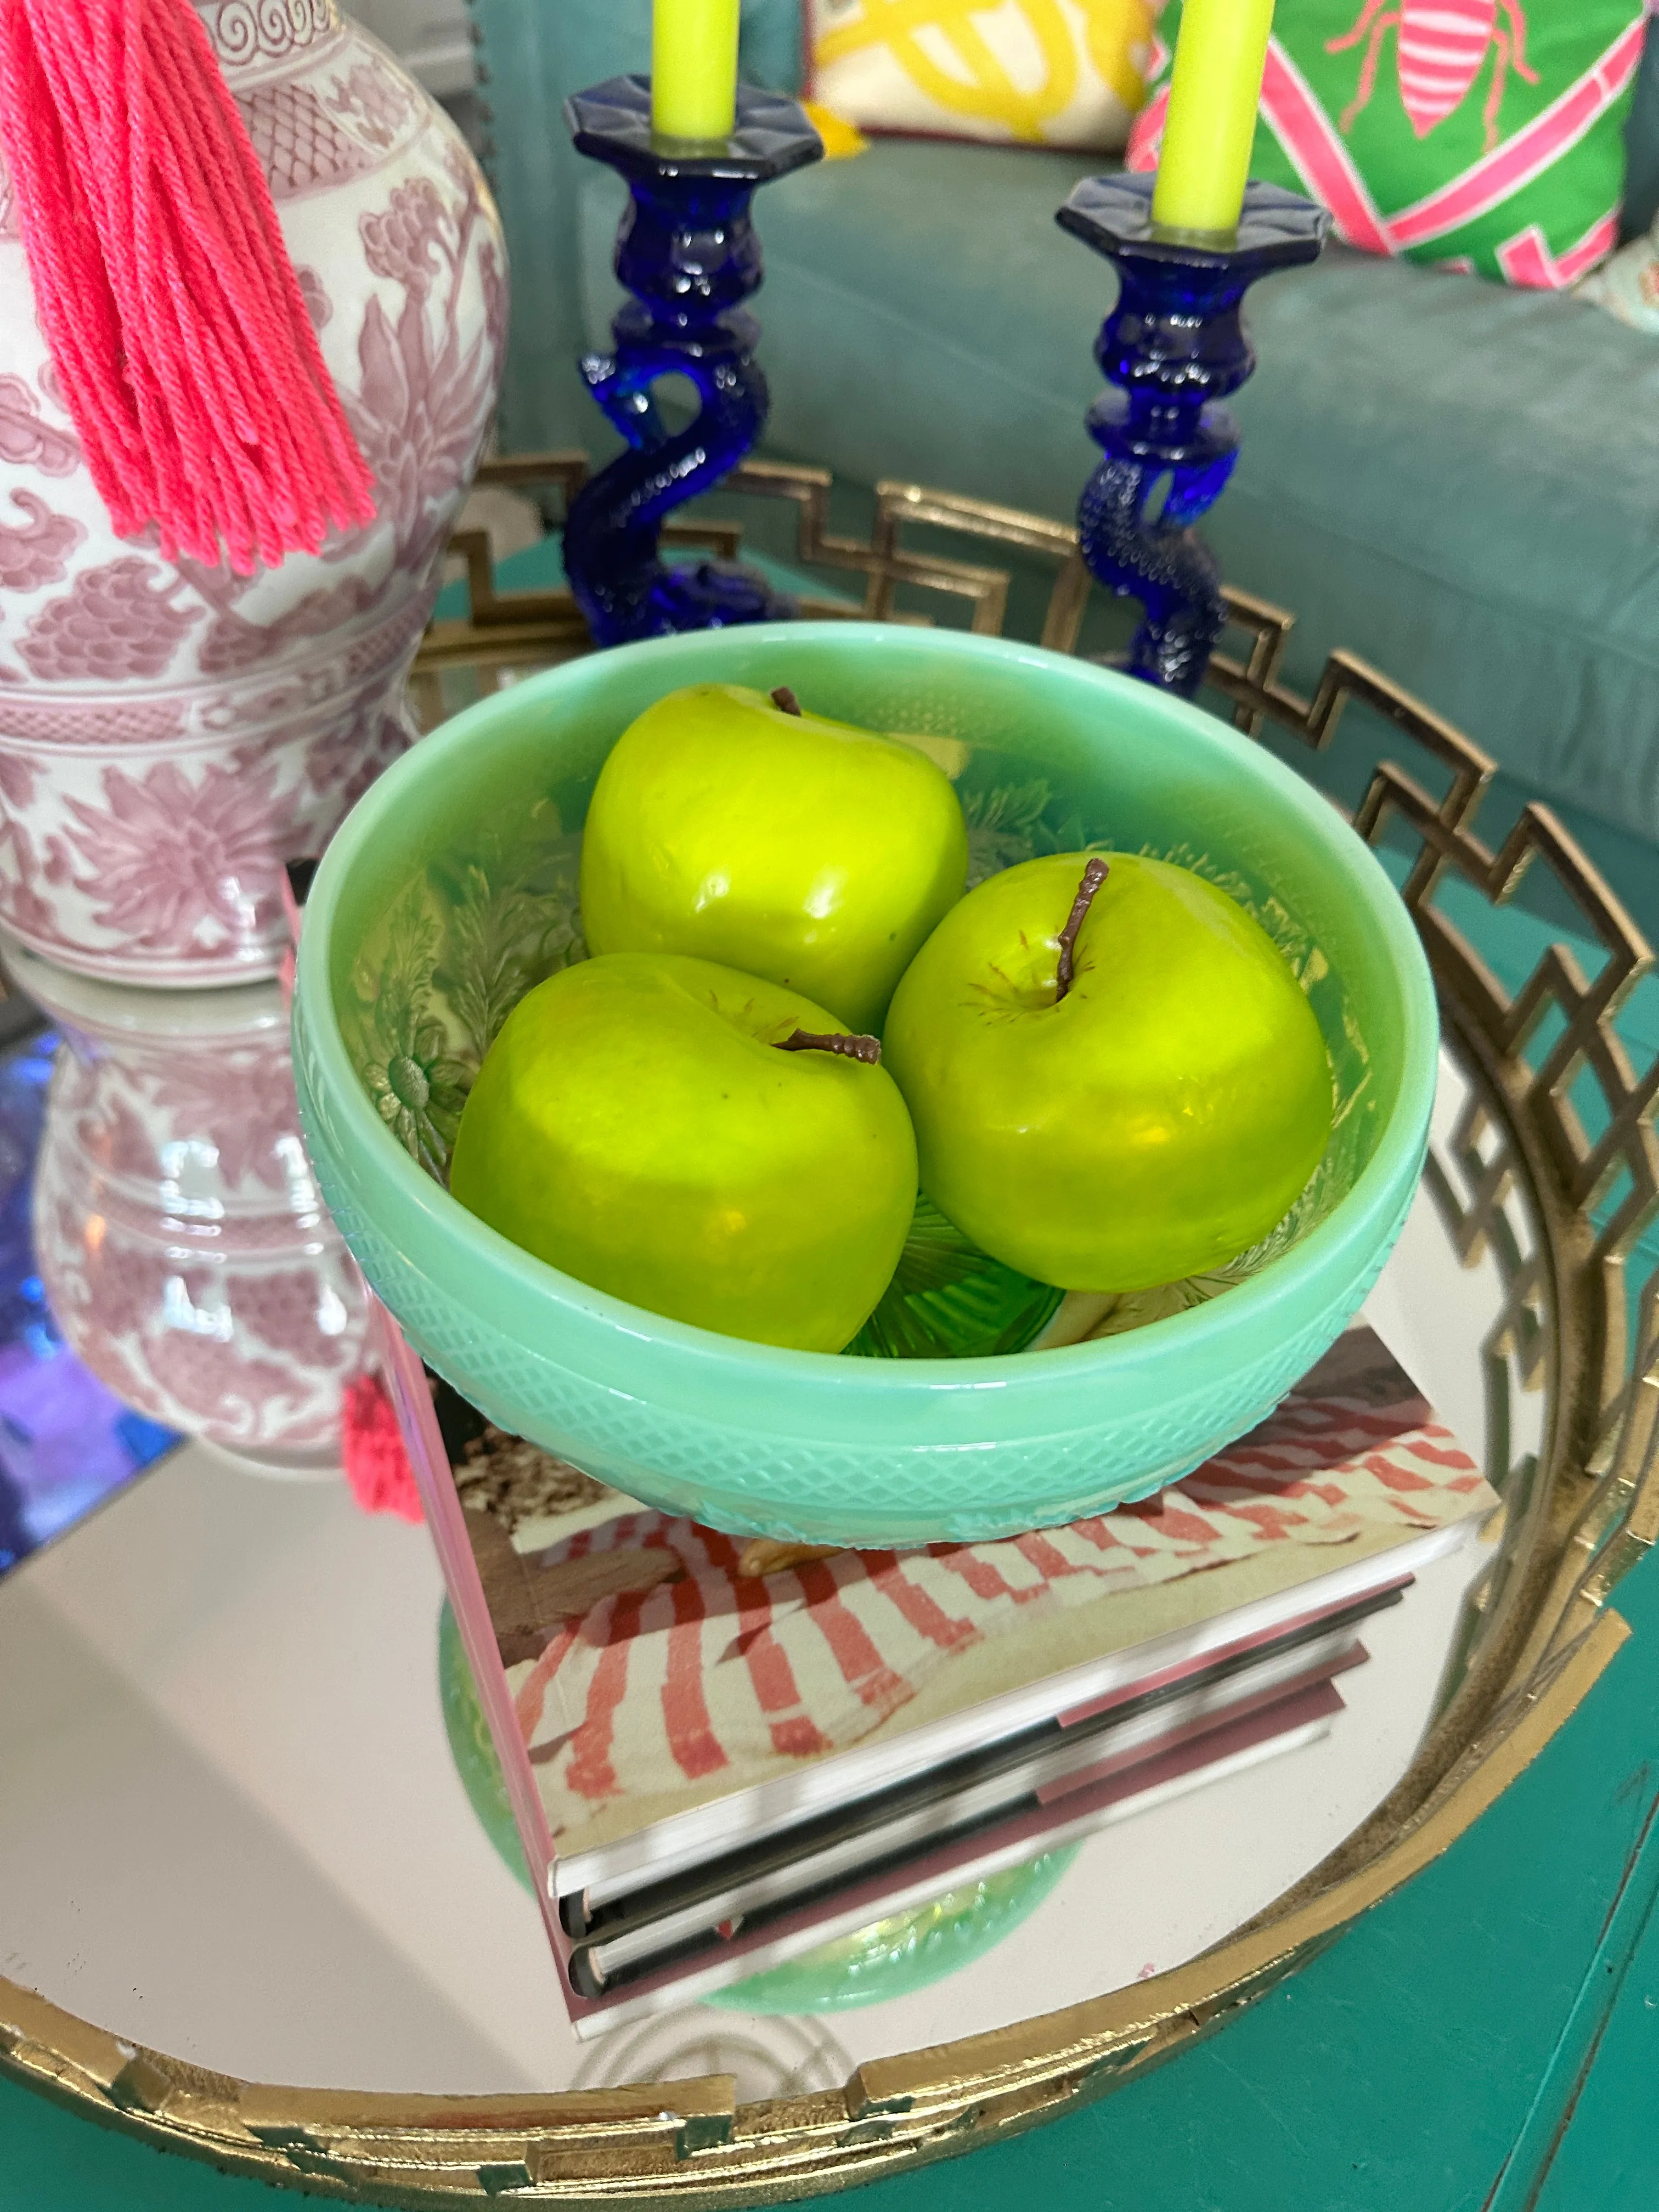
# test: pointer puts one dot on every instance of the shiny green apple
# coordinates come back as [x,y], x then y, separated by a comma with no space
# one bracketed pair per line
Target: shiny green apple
[777,841]
[1147,1116]
[699,1142]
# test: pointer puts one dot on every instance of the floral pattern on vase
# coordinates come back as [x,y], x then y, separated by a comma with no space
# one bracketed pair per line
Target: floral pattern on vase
[26,439]
[183,1243]
[115,623]
[34,551]
[170,735]
[163,862]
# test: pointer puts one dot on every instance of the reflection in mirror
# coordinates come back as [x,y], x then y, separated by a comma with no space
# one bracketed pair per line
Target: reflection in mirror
[183,1247]
[67,1442]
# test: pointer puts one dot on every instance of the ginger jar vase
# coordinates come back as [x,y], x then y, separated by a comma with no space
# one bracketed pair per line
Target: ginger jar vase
[170,734]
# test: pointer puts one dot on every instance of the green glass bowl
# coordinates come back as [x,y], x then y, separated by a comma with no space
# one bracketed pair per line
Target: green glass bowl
[450,888]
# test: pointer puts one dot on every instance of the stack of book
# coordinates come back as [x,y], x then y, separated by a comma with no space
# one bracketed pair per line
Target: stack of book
[721,1754]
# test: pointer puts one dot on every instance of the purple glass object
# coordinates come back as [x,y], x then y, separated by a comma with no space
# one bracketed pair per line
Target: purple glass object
[66,1442]
[688,252]
[1173,347]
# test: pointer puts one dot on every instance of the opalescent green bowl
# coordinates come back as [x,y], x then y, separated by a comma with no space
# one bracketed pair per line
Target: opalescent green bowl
[451,886]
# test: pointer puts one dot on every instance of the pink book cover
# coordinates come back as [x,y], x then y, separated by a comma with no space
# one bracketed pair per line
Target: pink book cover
[654,1687]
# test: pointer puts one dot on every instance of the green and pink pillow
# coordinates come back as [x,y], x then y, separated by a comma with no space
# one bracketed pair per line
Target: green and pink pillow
[1484,135]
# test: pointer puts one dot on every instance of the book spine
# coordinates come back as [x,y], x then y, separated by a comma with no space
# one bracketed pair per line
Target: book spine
[1286,1725]
[446,1516]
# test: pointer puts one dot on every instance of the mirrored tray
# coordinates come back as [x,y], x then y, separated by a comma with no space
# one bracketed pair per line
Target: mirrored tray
[231,1835]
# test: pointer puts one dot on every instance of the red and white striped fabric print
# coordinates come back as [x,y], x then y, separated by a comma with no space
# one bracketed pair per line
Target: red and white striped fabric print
[1321,1468]
[653,1693]
[1440,46]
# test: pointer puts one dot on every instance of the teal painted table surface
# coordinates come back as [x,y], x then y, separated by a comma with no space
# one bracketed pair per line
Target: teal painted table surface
[1486,2040]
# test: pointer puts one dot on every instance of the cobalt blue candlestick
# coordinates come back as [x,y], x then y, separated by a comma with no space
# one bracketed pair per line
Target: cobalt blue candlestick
[1172,349]
[688,252]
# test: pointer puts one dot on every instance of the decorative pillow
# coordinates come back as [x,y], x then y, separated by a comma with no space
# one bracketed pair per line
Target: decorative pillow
[1628,285]
[1481,134]
[1037,72]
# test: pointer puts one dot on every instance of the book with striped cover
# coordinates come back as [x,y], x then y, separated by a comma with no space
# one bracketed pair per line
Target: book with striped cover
[718,1749]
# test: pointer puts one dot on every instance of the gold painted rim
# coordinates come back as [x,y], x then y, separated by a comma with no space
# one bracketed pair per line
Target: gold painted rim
[1546,1633]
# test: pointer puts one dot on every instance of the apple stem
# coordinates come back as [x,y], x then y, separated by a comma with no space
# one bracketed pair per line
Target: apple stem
[866,1048]
[785,699]
[1093,877]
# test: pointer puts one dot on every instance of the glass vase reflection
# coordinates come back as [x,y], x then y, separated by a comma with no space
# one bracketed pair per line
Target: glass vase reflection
[180,1235]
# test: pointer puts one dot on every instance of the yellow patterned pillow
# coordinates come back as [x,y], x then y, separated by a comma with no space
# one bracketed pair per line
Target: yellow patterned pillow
[1036,72]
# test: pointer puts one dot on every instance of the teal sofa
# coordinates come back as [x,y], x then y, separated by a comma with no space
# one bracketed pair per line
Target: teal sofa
[1458,480]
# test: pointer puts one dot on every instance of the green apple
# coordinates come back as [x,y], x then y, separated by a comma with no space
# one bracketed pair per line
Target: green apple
[804,850]
[1115,1080]
[700,1142]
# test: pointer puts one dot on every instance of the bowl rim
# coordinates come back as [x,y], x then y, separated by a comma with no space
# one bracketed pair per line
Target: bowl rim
[1399,1148]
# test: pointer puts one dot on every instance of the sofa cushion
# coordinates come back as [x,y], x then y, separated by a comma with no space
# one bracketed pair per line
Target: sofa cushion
[1472,136]
[1025,72]
[1460,482]
[1641,143]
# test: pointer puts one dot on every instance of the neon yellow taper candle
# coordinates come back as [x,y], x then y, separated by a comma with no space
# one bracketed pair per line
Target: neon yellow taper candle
[694,67]
[1215,89]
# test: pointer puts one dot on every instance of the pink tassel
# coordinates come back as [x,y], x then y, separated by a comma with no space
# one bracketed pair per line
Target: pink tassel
[371,1451]
[163,289]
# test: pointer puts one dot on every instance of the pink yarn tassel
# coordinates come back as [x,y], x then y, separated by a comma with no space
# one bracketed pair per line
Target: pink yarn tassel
[163,289]
[371,1451]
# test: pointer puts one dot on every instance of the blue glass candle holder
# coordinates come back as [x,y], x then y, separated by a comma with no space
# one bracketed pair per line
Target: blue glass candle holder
[1172,349]
[688,252]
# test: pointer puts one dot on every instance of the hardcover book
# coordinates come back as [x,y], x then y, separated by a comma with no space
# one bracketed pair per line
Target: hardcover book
[721,1753]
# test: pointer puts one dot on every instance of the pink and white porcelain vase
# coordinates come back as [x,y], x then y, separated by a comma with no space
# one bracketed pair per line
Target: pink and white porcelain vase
[170,734]
[185,1252]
